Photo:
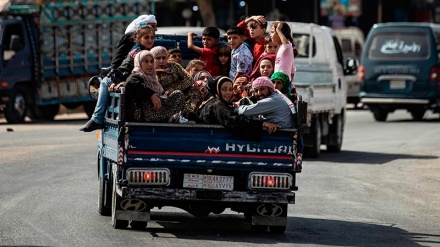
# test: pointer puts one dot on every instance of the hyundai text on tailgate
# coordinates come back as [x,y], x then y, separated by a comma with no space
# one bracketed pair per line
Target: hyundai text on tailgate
[200,168]
[400,69]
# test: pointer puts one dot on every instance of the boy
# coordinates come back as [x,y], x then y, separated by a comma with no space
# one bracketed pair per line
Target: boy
[270,47]
[175,55]
[254,29]
[208,54]
[241,56]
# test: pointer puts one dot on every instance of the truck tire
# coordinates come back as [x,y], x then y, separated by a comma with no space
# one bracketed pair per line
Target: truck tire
[116,200]
[138,225]
[315,149]
[336,133]
[418,114]
[277,229]
[103,188]
[105,193]
[259,228]
[379,114]
[44,112]
[89,108]
[18,106]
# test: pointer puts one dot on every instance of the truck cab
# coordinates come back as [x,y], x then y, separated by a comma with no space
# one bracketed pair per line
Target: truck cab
[320,78]
[16,70]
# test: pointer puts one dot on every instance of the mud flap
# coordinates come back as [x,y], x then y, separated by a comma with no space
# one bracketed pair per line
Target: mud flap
[270,214]
[133,209]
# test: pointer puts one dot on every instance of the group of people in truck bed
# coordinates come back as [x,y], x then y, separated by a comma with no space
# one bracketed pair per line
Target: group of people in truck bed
[243,85]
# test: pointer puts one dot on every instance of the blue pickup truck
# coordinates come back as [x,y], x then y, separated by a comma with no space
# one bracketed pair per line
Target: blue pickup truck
[199,168]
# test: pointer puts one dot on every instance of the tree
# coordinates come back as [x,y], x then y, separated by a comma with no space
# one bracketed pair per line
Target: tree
[207,13]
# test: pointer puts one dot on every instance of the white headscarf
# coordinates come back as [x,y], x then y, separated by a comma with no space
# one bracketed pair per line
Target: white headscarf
[142,19]
[149,80]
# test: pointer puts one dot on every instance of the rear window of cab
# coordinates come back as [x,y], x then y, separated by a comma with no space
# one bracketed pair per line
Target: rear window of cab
[401,46]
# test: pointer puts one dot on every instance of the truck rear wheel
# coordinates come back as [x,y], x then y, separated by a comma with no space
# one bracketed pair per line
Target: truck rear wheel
[314,150]
[277,229]
[418,114]
[138,225]
[380,114]
[18,105]
[102,209]
[336,134]
[104,194]
[89,108]
[45,112]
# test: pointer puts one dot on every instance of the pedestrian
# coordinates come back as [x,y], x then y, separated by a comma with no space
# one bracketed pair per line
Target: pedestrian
[208,53]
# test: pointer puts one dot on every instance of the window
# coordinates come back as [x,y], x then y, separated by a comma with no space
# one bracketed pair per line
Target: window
[12,29]
[302,44]
[410,45]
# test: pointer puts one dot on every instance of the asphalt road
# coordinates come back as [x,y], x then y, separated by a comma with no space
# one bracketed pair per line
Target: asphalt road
[381,190]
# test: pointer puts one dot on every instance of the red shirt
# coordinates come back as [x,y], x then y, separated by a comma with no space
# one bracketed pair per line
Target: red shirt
[210,57]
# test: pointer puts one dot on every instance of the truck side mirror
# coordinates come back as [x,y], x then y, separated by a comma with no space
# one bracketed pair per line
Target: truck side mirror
[94,84]
[15,43]
[351,66]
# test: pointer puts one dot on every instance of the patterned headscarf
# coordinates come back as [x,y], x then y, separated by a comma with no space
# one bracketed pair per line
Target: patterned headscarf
[263,81]
[149,80]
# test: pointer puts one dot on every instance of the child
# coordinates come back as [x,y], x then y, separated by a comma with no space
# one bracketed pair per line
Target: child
[241,56]
[144,37]
[175,55]
[270,47]
[239,88]
[280,33]
[224,58]
[208,53]
[254,29]
[194,66]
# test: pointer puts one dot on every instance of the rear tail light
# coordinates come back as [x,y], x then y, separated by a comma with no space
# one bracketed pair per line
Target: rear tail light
[275,181]
[154,176]
[361,73]
[434,74]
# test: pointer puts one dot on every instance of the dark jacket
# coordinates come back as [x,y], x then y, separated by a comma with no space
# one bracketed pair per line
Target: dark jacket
[136,93]
[214,111]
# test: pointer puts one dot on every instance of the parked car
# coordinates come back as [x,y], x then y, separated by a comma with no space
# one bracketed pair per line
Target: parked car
[400,69]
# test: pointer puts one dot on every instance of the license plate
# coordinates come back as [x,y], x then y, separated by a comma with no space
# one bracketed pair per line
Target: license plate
[397,84]
[210,182]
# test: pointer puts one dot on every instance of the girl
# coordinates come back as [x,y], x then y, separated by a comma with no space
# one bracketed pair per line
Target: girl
[280,33]
[224,57]
[146,103]
[194,66]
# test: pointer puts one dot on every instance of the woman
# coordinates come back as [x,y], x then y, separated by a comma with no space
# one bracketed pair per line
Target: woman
[216,109]
[173,76]
[281,82]
[146,102]
[263,67]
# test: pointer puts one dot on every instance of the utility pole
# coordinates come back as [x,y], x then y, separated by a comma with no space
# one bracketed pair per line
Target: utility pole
[379,12]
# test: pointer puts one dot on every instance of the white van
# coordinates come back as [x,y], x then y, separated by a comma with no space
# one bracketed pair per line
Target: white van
[352,42]
[320,79]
